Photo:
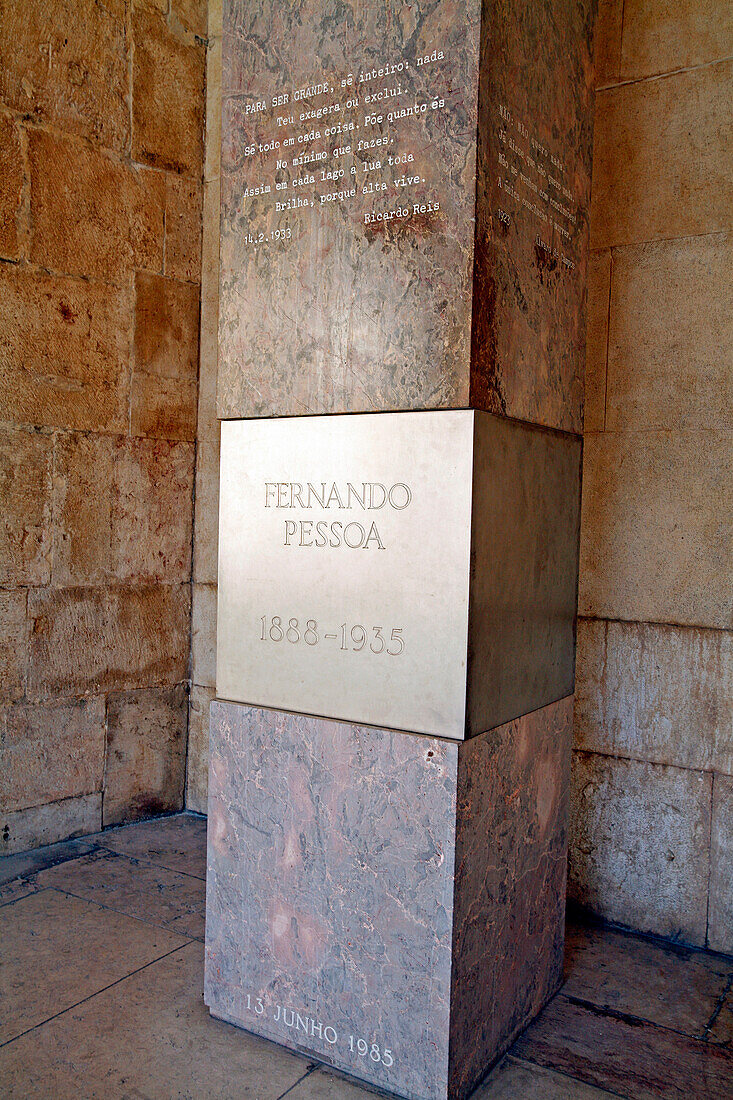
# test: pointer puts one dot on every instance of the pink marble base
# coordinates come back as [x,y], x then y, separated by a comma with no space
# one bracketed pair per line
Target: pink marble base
[388,903]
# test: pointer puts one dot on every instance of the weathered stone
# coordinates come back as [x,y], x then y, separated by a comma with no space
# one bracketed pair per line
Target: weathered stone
[607,41]
[651,547]
[659,39]
[193,15]
[83,494]
[14,643]
[343,822]
[639,845]
[596,347]
[31,828]
[13,889]
[721,1028]
[146,753]
[152,510]
[92,640]
[64,350]
[514,1078]
[166,327]
[163,408]
[183,227]
[206,513]
[134,887]
[25,484]
[122,510]
[197,759]
[167,96]
[12,179]
[91,214]
[49,752]
[670,361]
[657,162]
[154,5]
[164,384]
[66,63]
[599,963]
[203,635]
[630,1058]
[720,915]
[658,693]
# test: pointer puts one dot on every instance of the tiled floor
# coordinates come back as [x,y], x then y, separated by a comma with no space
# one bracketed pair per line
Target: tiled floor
[101,971]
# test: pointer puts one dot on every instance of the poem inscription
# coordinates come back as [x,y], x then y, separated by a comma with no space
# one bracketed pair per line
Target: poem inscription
[349,140]
[403,209]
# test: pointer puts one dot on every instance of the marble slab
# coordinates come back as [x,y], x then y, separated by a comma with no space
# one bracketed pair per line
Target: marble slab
[404,201]
[388,903]
[413,571]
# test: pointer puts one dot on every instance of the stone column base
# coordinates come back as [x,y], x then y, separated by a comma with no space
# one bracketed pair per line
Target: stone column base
[391,904]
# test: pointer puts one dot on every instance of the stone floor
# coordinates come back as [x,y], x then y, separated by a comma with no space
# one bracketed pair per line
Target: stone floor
[101,971]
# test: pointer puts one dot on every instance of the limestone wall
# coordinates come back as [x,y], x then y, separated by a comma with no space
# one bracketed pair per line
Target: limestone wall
[206,514]
[652,839]
[101,119]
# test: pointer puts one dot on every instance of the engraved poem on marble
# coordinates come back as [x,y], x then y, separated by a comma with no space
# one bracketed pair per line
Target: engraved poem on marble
[343,567]
[358,245]
[348,196]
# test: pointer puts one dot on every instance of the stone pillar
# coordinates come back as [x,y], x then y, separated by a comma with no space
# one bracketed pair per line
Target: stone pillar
[404,236]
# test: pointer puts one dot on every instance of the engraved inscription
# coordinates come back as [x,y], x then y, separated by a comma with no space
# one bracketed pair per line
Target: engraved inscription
[316,1029]
[533,182]
[352,140]
[333,164]
[343,567]
[319,534]
[354,638]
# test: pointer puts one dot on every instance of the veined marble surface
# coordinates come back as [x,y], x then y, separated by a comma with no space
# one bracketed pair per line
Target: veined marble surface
[386,887]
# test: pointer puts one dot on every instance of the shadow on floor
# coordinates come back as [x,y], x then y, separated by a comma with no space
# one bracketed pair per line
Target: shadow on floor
[101,976]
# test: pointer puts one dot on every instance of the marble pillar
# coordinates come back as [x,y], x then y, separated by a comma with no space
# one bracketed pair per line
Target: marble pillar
[404,224]
[389,903]
[474,297]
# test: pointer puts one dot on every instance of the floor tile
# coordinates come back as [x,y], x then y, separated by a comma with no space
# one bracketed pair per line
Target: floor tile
[514,1078]
[644,979]
[18,888]
[511,1080]
[721,1028]
[178,843]
[135,887]
[327,1084]
[150,1037]
[27,863]
[56,950]
[640,1060]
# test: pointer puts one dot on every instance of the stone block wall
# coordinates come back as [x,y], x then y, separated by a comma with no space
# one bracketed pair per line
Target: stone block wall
[206,513]
[652,845]
[101,159]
